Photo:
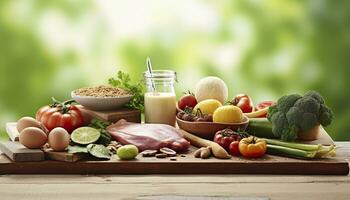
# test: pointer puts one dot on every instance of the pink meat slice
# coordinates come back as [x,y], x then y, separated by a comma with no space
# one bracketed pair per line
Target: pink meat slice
[148,136]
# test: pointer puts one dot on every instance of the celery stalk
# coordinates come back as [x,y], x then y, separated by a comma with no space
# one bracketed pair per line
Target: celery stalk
[290,152]
[293,145]
[325,152]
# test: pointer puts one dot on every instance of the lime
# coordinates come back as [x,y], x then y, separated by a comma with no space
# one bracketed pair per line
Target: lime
[85,135]
[127,152]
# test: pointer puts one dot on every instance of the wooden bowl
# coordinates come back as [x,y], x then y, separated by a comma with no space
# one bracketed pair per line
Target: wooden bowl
[207,130]
[312,134]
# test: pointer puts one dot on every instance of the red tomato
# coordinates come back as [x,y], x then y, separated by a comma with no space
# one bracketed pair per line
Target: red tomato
[234,148]
[62,115]
[244,102]
[225,137]
[188,100]
[263,105]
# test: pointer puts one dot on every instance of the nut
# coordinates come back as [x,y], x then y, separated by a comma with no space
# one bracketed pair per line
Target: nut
[206,153]
[203,152]
[161,155]
[149,153]
[114,146]
[168,152]
[197,153]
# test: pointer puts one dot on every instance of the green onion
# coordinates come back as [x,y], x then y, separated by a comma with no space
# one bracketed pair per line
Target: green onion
[293,145]
[290,152]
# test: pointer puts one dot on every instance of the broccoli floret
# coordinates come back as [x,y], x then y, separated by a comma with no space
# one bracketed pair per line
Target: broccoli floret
[288,134]
[308,121]
[308,104]
[279,123]
[272,110]
[326,116]
[286,102]
[315,95]
[294,113]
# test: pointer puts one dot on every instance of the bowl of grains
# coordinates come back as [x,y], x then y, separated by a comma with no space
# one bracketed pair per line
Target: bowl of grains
[102,97]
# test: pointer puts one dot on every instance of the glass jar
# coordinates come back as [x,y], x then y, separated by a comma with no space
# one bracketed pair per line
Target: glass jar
[160,97]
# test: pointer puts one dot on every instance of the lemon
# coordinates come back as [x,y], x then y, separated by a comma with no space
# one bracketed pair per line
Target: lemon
[207,106]
[85,135]
[228,114]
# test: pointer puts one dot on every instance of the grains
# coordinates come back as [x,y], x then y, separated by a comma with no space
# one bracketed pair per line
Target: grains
[102,91]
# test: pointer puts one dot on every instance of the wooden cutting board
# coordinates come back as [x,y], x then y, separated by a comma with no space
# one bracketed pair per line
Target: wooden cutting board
[131,115]
[63,156]
[19,153]
[185,164]
[12,132]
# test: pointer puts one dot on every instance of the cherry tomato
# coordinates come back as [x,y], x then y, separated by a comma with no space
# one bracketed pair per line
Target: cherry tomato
[234,148]
[244,102]
[225,137]
[188,100]
[60,114]
[263,105]
[252,147]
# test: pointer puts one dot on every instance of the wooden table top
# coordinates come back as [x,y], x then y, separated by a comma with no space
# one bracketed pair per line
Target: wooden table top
[178,186]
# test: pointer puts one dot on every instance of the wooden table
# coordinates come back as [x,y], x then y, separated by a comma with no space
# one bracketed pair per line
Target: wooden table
[177,186]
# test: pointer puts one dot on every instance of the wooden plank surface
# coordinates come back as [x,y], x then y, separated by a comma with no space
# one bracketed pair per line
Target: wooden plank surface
[132,187]
[281,187]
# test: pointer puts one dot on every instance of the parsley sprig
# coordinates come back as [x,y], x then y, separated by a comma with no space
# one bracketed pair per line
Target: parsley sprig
[123,81]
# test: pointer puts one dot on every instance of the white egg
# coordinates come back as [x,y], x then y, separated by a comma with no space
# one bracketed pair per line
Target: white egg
[59,139]
[33,138]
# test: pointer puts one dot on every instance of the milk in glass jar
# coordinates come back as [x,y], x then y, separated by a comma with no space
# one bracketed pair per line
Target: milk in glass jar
[160,97]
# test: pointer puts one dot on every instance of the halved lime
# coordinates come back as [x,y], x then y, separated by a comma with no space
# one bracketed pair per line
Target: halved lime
[85,135]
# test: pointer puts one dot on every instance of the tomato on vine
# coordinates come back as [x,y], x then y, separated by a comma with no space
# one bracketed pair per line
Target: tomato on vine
[60,114]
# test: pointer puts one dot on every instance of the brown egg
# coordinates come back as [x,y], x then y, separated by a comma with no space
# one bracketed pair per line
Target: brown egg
[59,139]
[26,122]
[33,138]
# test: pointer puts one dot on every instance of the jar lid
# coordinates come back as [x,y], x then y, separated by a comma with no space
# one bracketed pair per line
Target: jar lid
[160,74]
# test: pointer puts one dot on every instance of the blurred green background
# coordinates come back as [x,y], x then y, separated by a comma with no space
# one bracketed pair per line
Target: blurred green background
[263,48]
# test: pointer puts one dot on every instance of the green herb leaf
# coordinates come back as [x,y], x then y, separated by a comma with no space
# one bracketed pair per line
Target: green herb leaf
[77,149]
[123,81]
[99,151]
[101,125]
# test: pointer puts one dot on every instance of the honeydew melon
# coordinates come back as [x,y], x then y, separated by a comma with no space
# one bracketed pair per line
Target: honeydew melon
[211,87]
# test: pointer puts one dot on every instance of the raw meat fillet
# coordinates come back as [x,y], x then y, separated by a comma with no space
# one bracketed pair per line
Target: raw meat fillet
[148,136]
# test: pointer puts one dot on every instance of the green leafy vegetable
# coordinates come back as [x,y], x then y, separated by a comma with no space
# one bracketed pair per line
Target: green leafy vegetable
[101,125]
[99,151]
[77,149]
[123,81]
[295,113]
